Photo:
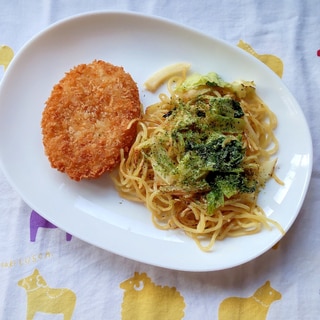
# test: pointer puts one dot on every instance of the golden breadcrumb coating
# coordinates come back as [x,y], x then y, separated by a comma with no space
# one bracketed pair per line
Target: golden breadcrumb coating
[85,120]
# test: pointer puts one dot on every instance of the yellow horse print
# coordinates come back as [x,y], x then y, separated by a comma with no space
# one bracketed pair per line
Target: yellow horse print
[42,298]
[254,307]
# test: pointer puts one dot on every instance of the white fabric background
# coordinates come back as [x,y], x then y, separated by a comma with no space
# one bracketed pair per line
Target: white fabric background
[288,29]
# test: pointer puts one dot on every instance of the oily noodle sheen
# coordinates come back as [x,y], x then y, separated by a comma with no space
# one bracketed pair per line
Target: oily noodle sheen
[240,215]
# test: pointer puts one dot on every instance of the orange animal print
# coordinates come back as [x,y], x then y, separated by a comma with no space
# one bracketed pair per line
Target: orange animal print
[254,307]
[144,300]
[42,298]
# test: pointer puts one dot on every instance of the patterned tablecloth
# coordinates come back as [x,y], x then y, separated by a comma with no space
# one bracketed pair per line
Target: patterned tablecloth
[46,273]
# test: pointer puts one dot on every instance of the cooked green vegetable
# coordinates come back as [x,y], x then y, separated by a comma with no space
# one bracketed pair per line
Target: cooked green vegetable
[196,80]
[201,147]
[240,88]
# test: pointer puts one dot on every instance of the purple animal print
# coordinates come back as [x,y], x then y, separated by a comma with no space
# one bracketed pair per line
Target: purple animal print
[36,222]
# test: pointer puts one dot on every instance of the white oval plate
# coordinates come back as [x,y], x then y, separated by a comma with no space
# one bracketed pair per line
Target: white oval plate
[92,210]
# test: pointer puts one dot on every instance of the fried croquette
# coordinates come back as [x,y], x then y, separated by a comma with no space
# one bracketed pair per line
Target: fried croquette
[85,122]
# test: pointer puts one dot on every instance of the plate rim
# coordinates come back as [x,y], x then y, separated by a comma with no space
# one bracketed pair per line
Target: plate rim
[59,23]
